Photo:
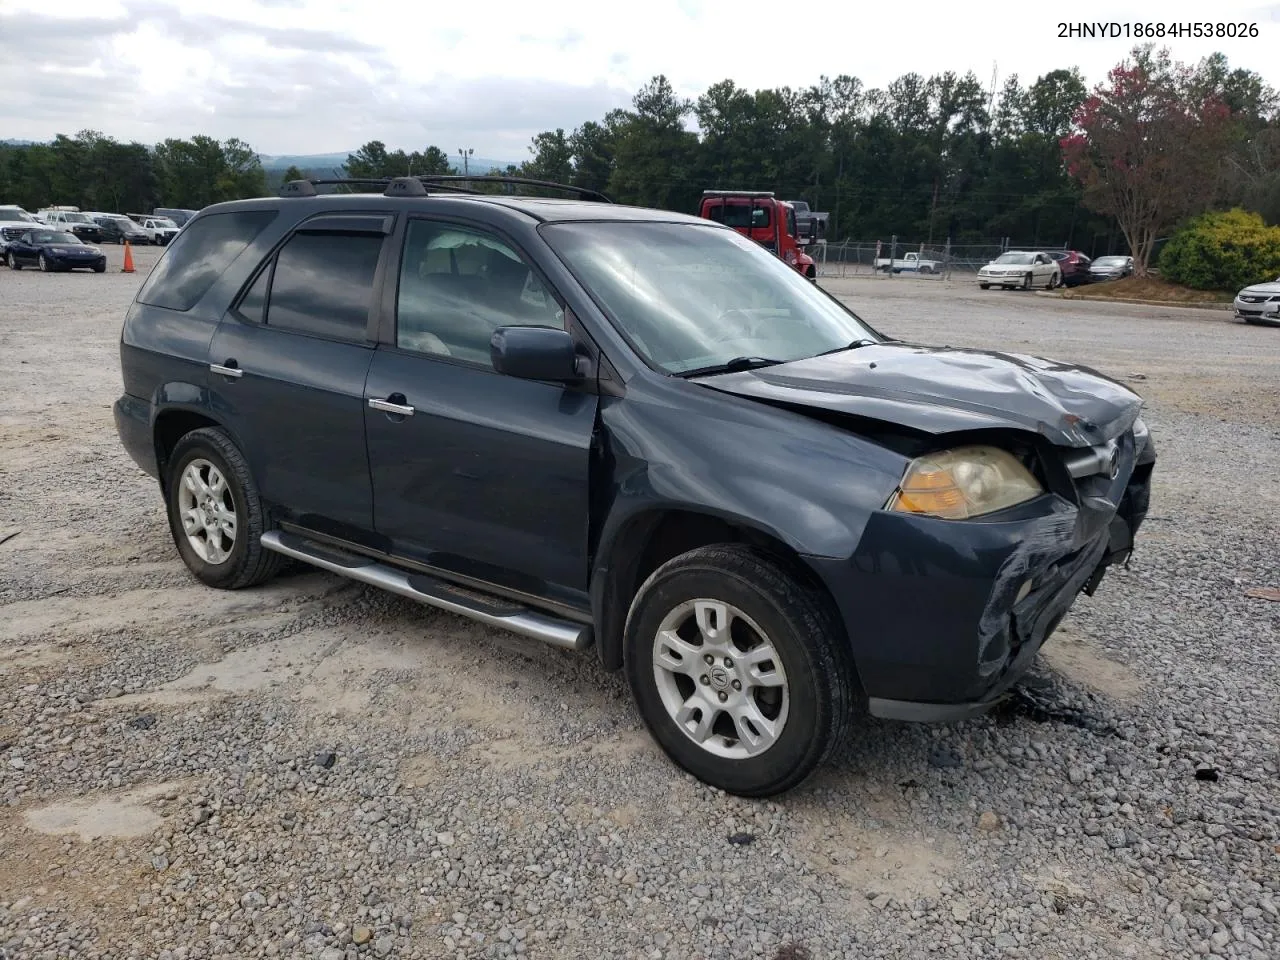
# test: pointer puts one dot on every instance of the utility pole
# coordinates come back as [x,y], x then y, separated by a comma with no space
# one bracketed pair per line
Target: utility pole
[465,155]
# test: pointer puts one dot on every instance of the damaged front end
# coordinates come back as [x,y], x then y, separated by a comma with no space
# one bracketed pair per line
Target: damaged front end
[969,602]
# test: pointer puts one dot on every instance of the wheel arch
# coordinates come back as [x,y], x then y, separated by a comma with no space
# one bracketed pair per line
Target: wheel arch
[170,425]
[648,539]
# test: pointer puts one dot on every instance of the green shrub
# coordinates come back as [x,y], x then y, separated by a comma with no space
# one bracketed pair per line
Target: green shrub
[1222,251]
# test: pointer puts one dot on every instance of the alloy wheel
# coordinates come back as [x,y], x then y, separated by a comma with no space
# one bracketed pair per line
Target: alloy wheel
[720,679]
[208,511]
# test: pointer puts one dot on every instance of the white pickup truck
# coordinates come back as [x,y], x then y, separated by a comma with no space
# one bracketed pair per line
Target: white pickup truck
[911,262]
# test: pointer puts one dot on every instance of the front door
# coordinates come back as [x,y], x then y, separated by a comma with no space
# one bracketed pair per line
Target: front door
[475,472]
[288,366]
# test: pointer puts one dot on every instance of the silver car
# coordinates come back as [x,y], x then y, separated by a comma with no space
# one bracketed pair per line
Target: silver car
[1110,268]
[1259,303]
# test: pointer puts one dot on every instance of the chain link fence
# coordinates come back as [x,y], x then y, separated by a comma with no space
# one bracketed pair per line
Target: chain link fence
[895,258]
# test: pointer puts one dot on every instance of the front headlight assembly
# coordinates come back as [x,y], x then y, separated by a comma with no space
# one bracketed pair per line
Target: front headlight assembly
[964,482]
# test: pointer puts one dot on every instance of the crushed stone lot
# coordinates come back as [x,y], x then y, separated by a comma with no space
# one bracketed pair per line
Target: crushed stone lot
[315,769]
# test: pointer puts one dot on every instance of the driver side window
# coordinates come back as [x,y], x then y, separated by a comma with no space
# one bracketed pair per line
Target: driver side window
[458,285]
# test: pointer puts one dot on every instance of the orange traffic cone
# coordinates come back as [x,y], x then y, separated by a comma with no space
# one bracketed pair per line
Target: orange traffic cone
[128,258]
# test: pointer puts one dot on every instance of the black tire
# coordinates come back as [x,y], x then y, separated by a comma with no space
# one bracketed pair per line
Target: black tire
[45,265]
[247,563]
[985,286]
[13,261]
[100,268]
[806,635]
[1027,281]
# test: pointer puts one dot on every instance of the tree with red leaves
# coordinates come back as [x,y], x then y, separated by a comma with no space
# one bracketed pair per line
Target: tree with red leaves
[1146,145]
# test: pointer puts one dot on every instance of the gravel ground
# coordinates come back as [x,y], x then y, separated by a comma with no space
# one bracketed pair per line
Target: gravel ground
[314,769]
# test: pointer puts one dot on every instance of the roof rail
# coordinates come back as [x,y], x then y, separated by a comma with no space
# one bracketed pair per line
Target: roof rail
[586,193]
[400,186]
[738,193]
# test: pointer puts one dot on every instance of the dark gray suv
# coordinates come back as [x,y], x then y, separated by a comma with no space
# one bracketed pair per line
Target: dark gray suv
[633,430]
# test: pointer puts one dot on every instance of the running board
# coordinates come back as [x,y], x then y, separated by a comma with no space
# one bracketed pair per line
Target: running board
[434,592]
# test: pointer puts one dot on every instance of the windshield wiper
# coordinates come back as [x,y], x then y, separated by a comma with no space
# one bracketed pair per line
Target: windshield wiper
[729,366]
[848,346]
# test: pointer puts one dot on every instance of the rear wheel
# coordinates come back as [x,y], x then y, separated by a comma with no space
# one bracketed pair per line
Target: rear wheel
[740,671]
[985,286]
[215,514]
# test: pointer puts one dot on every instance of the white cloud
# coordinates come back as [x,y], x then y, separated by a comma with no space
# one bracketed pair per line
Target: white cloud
[319,75]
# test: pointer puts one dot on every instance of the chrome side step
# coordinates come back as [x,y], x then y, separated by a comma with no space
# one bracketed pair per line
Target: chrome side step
[436,593]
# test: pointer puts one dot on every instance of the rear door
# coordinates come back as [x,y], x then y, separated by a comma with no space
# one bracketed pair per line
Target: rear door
[288,368]
[478,473]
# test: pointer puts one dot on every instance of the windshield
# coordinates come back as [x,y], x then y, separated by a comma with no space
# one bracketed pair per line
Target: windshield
[50,236]
[739,214]
[168,224]
[1019,258]
[76,218]
[19,215]
[1110,262]
[689,296]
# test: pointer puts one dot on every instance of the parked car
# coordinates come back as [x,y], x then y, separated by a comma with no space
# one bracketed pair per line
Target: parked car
[910,263]
[53,250]
[179,215]
[1110,268]
[117,228]
[160,230]
[14,222]
[1259,303]
[71,220]
[1074,266]
[703,466]
[1021,268]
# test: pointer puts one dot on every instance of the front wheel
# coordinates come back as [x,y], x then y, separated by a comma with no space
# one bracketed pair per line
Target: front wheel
[12,260]
[740,671]
[215,514]
[45,265]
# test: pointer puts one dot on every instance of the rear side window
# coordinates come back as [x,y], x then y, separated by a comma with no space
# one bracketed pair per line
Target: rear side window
[199,255]
[323,284]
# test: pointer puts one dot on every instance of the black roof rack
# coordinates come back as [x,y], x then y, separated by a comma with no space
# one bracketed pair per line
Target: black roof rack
[418,186]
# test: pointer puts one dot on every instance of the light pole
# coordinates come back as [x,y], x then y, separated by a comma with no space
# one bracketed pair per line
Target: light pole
[465,155]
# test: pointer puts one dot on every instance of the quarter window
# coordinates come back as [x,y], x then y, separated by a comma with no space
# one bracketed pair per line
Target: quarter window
[323,284]
[458,285]
[199,255]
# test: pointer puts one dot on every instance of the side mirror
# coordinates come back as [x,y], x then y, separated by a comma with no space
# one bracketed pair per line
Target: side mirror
[535,353]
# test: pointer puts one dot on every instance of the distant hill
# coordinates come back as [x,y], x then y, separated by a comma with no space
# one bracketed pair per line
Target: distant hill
[326,163]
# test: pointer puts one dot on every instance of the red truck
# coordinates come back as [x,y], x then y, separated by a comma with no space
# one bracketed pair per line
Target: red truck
[762,217]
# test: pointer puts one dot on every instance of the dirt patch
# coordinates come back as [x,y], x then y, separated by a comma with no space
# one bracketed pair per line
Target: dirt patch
[1076,658]
[1146,288]
[121,815]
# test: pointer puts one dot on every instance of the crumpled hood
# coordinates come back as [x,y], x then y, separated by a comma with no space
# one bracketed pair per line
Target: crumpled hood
[944,389]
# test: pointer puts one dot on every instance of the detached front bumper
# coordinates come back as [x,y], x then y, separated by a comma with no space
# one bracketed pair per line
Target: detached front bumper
[945,616]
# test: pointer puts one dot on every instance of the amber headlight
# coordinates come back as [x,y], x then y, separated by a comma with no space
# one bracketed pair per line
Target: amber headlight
[964,482]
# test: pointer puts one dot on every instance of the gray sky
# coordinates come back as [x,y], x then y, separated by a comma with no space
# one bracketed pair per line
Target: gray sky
[313,76]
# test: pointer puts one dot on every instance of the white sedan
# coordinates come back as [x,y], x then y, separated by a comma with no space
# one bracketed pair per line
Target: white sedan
[1259,303]
[1021,268]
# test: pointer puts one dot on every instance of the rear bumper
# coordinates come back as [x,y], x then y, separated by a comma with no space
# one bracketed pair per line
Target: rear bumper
[945,616]
[133,424]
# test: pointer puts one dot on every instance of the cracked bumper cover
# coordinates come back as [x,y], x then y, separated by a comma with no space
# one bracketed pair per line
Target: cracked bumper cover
[945,616]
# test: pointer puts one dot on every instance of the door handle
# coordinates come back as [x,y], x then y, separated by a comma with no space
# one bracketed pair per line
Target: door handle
[228,369]
[390,405]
